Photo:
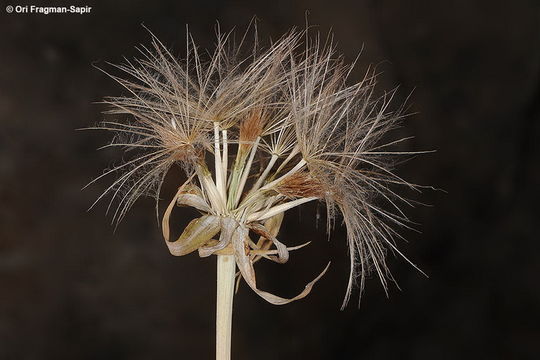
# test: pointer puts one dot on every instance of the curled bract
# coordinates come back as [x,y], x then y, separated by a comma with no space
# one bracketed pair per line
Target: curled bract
[234,236]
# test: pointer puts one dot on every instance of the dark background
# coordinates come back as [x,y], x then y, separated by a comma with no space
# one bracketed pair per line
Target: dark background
[71,288]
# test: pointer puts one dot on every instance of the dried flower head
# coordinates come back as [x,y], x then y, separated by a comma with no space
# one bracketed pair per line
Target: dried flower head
[281,128]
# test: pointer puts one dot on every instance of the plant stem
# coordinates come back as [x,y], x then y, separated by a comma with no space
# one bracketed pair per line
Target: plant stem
[259,182]
[225,161]
[218,166]
[246,170]
[297,167]
[265,214]
[226,269]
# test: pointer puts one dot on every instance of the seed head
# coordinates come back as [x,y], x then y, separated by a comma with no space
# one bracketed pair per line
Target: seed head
[288,108]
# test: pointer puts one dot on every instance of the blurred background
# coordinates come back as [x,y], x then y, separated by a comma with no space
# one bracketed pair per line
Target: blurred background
[73,288]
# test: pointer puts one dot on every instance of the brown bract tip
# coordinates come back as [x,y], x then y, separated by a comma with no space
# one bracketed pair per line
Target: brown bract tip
[301,185]
[252,126]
